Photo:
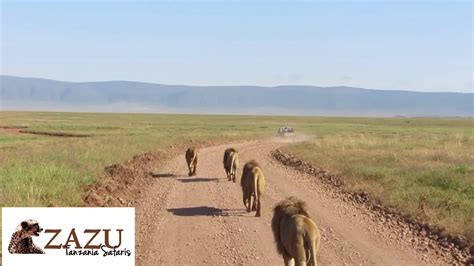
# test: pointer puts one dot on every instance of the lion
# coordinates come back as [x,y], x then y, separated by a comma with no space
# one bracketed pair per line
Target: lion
[224,161]
[253,185]
[22,241]
[231,163]
[296,235]
[192,160]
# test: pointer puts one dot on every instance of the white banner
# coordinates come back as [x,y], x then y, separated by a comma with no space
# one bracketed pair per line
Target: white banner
[68,236]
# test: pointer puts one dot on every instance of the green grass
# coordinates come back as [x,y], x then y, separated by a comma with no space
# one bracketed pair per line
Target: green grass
[405,163]
[423,167]
[42,170]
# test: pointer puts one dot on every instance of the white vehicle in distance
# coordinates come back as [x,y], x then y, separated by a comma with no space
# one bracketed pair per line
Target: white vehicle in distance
[286,131]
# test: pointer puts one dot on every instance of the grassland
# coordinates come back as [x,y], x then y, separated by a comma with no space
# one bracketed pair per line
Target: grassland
[423,167]
[42,170]
[406,163]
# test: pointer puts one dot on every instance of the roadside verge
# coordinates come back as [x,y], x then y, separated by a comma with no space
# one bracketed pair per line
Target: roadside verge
[429,236]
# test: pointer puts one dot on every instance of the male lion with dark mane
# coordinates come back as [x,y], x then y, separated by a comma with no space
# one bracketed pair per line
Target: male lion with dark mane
[231,163]
[192,160]
[296,236]
[253,185]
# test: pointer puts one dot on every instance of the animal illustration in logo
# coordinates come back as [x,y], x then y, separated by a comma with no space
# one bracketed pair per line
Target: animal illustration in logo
[22,241]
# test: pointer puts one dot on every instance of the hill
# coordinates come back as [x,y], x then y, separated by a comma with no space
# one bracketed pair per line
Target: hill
[19,93]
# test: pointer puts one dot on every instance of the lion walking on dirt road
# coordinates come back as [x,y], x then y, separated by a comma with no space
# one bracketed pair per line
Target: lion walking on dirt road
[296,236]
[192,160]
[253,186]
[231,163]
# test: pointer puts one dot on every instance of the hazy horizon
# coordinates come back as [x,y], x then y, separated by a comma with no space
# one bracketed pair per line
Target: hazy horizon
[43,94]
[411,46]
[231,85]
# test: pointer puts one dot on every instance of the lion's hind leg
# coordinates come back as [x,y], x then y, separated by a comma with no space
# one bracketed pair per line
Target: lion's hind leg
[254,205]
[300,256]
[289,261]
[249,201]
[190,172]
[259,206]
[195,163]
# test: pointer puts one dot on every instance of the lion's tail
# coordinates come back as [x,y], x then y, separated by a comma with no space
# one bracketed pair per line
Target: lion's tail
[312,241]
[233,165]
[257,182]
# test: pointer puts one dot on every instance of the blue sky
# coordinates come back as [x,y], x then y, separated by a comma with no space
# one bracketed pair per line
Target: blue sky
[422,46]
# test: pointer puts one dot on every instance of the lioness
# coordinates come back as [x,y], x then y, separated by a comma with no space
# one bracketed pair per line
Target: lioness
[192,160]
[253,185]
[231,163]
[297,237]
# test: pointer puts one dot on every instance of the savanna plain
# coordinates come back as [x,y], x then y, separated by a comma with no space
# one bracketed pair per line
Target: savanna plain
[423,167]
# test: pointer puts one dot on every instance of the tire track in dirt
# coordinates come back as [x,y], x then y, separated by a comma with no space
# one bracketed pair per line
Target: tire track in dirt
[202,220]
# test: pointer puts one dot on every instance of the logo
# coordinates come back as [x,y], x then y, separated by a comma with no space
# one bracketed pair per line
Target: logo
[68,236]
[22,241]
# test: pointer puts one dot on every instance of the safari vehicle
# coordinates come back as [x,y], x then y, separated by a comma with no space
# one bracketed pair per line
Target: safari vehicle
[285,131]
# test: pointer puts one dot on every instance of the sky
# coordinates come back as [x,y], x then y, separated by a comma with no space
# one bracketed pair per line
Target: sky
[406,45]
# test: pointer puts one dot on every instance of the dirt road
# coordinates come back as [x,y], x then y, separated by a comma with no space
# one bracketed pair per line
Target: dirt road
[201,219]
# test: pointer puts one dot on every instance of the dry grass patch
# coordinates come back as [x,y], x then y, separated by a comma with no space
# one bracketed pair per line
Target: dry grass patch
[425,171]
